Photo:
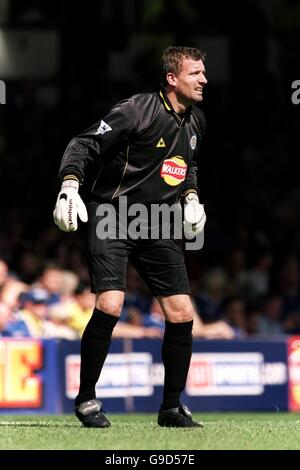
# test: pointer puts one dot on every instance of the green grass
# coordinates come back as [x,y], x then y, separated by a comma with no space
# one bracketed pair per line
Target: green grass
[228,431]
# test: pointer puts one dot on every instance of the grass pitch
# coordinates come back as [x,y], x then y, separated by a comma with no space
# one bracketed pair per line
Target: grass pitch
[222,431]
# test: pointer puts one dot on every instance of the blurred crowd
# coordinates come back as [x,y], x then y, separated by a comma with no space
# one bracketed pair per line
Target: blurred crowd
[58,302]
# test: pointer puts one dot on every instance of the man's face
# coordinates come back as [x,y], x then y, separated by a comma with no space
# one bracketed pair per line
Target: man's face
[52,280]
[189,82]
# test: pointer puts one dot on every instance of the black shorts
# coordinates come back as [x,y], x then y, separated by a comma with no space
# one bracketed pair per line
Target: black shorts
[160,262]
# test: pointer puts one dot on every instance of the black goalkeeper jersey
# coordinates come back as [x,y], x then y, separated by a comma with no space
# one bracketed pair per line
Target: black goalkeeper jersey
[141,149]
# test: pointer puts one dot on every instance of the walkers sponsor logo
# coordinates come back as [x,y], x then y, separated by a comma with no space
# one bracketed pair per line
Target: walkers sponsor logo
[173,171]
[224,374]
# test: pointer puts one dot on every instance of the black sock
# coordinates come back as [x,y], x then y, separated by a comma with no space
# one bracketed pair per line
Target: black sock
[95,344]
[176,356]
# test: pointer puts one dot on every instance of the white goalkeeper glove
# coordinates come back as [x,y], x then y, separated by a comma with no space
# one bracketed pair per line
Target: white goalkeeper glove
[194,216]
[68,206]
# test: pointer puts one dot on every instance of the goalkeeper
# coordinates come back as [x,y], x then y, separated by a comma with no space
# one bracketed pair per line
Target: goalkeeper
[145,149]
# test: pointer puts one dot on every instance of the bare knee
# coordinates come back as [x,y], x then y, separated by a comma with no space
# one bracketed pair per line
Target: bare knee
[178,308]
[110,302]
[180,316]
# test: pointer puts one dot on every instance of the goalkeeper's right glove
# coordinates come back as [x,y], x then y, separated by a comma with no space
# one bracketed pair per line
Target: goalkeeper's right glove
[194,216]
[68,206]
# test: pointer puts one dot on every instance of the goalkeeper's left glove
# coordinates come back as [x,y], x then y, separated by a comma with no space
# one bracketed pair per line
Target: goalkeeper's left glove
[69,206]
[194,216]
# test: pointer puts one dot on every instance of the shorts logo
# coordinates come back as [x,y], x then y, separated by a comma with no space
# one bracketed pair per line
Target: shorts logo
[103,128]
[193,142]
[173,170]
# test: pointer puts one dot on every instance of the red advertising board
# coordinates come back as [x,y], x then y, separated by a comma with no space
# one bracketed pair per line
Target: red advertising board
[20,386]
[294,373]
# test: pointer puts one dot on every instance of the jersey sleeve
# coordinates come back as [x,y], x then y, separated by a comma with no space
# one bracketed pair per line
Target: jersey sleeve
[91,144]
[191,181]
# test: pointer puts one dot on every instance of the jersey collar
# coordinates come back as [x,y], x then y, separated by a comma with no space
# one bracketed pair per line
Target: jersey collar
[166,101]
[168,107]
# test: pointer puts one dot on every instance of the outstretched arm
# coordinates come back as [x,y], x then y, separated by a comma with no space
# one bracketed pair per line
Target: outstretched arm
[82,150]
[216,330]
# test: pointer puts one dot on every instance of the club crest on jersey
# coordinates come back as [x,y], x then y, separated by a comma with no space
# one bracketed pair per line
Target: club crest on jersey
[173,170]
[103,128]
[193,142]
